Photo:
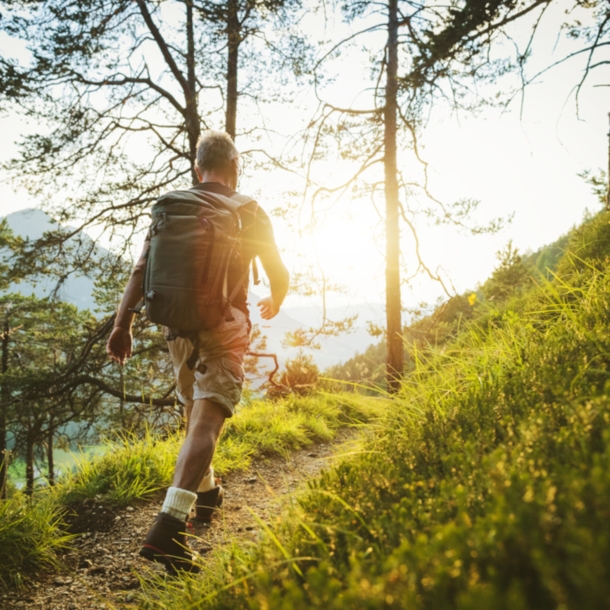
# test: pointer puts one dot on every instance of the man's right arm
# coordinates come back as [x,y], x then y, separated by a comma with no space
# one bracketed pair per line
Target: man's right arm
[119,343]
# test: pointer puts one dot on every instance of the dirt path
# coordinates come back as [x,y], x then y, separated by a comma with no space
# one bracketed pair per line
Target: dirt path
[99,567]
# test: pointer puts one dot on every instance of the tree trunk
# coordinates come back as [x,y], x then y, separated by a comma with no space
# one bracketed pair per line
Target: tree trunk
[608,176]
[4,396]
[395,356]
[50,456]
[121,401]
[3,455]
[233,42]
[193,126]
[29,462]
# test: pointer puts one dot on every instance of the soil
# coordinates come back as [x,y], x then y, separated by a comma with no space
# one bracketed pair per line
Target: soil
[99,568]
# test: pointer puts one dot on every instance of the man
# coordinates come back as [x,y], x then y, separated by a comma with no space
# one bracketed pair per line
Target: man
[211,389]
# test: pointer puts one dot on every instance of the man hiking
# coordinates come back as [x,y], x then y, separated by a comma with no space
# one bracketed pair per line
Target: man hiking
[214,234]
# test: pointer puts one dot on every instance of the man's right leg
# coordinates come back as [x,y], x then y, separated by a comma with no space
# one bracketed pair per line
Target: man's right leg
[181,349]
[210,495]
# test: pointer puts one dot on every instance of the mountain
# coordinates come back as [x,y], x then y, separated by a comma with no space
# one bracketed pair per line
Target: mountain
[30,223]
[77,289]
[332,349]
[312,316]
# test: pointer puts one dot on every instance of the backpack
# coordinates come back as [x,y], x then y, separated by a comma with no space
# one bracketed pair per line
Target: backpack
[194,239]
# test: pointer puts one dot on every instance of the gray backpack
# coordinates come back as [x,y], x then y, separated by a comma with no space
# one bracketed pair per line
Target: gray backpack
[194,239]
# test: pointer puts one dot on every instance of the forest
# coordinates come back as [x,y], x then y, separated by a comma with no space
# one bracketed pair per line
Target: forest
[459,459]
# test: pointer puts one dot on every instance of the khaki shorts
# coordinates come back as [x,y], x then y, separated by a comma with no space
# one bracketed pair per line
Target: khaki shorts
[218,373]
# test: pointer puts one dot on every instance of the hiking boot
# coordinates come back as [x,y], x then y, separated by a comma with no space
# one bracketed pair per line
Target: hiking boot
[207,504]
[166,544]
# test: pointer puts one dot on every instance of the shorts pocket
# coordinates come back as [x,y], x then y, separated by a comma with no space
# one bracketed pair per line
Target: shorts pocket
[233,368]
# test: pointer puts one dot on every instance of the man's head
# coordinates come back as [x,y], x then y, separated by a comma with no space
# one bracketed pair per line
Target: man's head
[217,158]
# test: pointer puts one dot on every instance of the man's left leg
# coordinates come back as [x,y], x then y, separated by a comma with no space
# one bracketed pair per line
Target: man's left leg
[195,457]
[166,541]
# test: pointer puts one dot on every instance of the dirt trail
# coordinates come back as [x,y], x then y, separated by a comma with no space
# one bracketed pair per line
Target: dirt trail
[99,566]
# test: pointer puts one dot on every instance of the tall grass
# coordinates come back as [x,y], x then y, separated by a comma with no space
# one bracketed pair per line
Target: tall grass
[133,468]
[30,537]
[486,486]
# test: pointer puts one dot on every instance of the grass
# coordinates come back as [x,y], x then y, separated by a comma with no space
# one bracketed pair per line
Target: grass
[487,485]
[30,537]
[132,469]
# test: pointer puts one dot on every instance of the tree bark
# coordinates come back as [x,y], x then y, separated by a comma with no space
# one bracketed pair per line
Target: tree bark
[233,42]
[4,395]
[29,462]
[395,354]
[193,123]
[608,176]
[50,456]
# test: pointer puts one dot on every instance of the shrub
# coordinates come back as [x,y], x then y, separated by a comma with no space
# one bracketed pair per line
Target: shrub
[300,374]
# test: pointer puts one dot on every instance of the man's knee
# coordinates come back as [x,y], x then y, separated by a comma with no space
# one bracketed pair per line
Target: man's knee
[207,416]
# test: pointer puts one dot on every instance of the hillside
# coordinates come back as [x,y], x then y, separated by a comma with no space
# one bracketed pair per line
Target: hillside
[514,273]
[486,486]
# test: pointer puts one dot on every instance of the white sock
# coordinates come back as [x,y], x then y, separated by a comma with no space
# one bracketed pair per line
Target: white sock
[178,503]
[207,482]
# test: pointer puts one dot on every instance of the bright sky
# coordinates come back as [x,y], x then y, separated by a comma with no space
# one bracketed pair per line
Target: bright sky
[526,165]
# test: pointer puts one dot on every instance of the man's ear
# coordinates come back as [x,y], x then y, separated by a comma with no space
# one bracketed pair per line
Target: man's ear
[199,174]
[235,171]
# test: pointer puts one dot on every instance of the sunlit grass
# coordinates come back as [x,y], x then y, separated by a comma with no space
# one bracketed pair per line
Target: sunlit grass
[486,484]
[130,469]
[133,468]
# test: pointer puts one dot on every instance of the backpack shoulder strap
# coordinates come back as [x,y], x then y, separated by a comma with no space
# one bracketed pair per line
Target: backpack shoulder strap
[242,199]
[250,205]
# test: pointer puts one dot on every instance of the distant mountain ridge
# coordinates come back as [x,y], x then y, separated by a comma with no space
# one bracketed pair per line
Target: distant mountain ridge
[77,289]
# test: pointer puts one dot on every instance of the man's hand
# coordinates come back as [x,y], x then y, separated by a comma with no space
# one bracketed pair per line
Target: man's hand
[268,308]
[119,345]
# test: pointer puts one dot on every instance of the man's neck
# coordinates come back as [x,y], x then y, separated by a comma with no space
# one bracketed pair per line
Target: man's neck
[212,176]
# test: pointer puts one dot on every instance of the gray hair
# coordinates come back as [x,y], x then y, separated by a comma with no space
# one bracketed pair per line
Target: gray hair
[215,150]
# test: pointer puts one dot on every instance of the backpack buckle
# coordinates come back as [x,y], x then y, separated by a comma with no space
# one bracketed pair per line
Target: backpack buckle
[138,308]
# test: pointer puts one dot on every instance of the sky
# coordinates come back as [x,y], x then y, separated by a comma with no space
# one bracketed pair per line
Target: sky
[523,162]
